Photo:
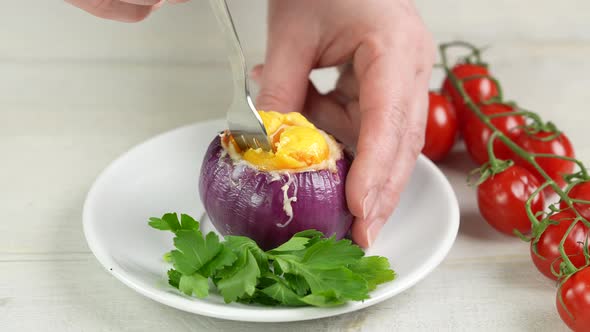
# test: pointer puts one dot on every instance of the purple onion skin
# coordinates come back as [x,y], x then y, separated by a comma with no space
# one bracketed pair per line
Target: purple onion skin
[241,200]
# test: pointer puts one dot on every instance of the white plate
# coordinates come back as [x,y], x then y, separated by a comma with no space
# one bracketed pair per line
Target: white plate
[161,176]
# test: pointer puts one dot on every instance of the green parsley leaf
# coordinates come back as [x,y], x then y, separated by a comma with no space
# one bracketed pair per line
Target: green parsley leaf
[309,269]
[260,298]
[225,257]
[283,294]
[194,251]
[322,300]
[170,222]
[241,244]
[340,280]
[294,244]
[374,269]
[158,223]
[174,277]
[242,280]
[309,233]
[267,279]
[276,268]
[313,236]
[194,284]
[297,283]
[329,254]
[187,222]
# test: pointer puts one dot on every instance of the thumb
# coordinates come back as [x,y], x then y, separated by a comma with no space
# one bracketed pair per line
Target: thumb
[284,80]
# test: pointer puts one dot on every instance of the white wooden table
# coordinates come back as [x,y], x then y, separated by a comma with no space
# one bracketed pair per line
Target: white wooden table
[76,92]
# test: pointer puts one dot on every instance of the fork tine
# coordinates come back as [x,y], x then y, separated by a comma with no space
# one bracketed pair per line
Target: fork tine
[243,120]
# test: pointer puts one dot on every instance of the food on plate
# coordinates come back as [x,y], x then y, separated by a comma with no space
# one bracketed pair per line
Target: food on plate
[306,270]
[269,196]
[274,208]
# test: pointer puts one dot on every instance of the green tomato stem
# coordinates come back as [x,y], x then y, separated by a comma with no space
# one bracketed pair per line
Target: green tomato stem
[581,201]
[475,51]
[529,202]
[570,268]
[574,160]
[535,117]
[490,146]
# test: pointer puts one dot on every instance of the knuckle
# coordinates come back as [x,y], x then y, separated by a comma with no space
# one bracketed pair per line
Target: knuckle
[274,99]
[376,47]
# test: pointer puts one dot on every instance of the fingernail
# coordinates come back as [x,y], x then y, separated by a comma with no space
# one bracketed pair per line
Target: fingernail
[369,202]
[373,230]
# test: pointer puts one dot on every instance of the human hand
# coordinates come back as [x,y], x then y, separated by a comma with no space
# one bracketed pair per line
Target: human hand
[120,10]
[380,102]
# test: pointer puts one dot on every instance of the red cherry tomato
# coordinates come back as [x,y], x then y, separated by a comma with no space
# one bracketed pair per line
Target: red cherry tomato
[575,294]
[554,167]
[580,191]
[478,89]
[476,134]
[548,245]
[502,197]
[441,128]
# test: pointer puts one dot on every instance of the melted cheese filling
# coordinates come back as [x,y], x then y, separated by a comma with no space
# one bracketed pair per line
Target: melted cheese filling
[297,146]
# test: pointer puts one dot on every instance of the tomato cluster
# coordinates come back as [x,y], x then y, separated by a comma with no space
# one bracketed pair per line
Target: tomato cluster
[524,165]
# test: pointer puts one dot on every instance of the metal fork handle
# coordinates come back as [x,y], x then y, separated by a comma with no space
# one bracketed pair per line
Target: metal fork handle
[245,131]
[236,56]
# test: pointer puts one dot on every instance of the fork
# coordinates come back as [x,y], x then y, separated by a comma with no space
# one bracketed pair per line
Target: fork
[244,122]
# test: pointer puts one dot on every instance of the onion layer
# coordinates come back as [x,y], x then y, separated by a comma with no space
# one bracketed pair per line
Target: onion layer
[269,207]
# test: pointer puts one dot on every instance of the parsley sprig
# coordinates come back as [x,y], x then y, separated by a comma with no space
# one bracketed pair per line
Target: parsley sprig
[309,269]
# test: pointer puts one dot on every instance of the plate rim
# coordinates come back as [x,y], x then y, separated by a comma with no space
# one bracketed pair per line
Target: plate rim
[235,313]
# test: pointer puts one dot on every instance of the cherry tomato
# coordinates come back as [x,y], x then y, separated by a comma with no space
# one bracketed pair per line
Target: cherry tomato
[502,197]
[441,128]
[478,89]
[575,294]
[476,134]
[548,245]
[554,167]
[580,191]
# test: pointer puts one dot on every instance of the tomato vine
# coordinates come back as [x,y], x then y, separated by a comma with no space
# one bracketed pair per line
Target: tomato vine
[496,165]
